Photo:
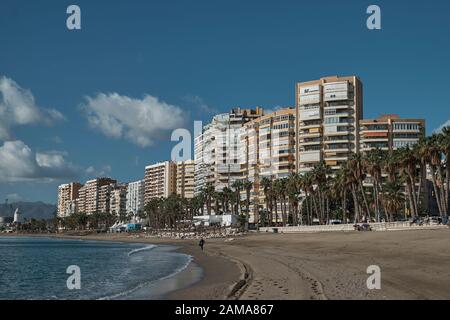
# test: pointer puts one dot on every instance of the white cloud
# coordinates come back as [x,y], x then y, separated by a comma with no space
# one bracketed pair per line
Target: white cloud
[199,103]
[18,107]
[92,172]
[19,163]
[439,129]
[140,121]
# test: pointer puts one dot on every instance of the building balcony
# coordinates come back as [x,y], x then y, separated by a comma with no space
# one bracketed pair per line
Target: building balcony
[310,134]
[309,99]
[336,158]
[304,126]
[338,107]
[345,139]
[343,149]
[369,130]
[368,148]
[310,156]
[337,114]
[407,139]
[342,86]
[342,131]
[336,96]
[309,143]
[309,114]
[418,131]
[378,139]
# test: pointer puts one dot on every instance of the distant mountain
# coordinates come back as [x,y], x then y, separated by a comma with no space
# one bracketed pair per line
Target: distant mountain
[36,210]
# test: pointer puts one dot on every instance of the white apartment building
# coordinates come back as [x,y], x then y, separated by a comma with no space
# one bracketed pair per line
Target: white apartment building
[217,149]
[135,197]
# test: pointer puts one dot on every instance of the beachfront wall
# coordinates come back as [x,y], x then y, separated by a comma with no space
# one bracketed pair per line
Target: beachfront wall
[382,226]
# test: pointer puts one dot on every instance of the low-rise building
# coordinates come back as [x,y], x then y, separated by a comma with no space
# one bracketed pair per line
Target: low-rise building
[390,132]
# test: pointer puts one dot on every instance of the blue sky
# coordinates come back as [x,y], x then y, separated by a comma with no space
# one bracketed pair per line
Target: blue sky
[192,58]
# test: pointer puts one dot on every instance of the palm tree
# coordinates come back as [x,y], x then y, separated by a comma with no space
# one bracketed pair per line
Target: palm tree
[293,190]
[340,188]
[266,184]
[393,198]
[227,195]
[247,185]
[445,147]
[430,153]
[355,164]
[413,168]
[305,205]
[141,215]
[81,220]
[237,186]
[152,210]
[208,194]
[308,185]
[320,175]
[197,205]
[373,164]
[218,201]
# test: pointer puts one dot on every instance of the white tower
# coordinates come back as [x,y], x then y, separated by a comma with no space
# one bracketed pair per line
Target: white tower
[17,216]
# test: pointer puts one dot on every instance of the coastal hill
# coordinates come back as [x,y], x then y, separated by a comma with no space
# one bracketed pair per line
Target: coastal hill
[36,210]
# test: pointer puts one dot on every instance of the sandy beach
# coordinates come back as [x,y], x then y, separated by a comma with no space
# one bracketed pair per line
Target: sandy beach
[414,265]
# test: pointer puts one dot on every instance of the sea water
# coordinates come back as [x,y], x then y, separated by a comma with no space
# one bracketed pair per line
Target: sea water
[35,268]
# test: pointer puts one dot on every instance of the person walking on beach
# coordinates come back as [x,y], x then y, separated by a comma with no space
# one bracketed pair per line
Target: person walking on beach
[201,243]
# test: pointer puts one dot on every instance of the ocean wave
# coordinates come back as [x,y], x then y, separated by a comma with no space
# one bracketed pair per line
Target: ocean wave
[148,283]
[149,247]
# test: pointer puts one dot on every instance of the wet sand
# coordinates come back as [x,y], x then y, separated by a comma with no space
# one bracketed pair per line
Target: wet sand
[414,265]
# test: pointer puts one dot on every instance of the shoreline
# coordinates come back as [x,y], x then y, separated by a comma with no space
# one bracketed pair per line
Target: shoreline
[318,266]
[219,274]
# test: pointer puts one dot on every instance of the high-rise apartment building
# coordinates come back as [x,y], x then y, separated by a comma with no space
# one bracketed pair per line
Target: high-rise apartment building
[112,198]
[390,132]
[185,179]
[104,197]
[217,149]
[81,200]
[135,197]
[94,196]
[267,149]
[328,115]
[118,200]
[67,195]
[160,180]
